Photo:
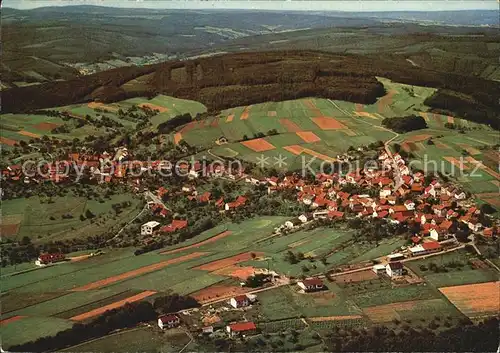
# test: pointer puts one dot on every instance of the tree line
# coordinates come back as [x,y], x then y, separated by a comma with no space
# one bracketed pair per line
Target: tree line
[130,315]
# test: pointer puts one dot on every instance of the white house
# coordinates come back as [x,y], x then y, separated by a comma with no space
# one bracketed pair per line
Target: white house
[303,218]
[239,301]
[435,235]
[410,205]
[311,285]
[168,321]
[293,223]
[394,269]
[385,192]
[241,329]
[379,268]
[149,227]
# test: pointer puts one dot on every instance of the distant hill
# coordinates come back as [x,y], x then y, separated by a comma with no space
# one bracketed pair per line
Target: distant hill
[51,43]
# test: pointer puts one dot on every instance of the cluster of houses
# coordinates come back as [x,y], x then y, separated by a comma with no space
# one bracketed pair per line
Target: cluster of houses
[246,328]
[437,208]
[153,227]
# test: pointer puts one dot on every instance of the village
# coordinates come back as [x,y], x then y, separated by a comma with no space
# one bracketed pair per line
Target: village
[440,217]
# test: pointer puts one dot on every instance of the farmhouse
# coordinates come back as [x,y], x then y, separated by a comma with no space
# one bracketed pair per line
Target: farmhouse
[436,235]
[240,201]
[239,301]
[241,328]
[394,269]
[177,224]
[311,285]
[149,227]
[425,248]
[45,259]
[168,321]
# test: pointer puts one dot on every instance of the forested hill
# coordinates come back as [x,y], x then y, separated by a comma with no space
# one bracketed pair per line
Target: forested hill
[231,80]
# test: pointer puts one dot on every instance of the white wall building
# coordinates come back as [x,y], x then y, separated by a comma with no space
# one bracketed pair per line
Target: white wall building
[149,227]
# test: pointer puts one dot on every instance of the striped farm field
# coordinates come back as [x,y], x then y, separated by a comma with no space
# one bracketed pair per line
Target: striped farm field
[328,123]
[289,125]
[418,138]
[365,115]
[335,318]
[386,101]
[457,163]
[154,107]
[475,299]
[138,272]
[94,105]
[11,319]
[111,306]
[228,261]
[29,134]
[471,150]
[258,145]
[45,126]
[7,141]
[197,245]
[308,136]
[177,138]
[246,113]
[297,150]
[216,292]
[408,310]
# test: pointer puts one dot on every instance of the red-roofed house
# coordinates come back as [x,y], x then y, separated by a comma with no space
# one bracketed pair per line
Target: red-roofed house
[220,202]
[177,224]
[239,301]
[311,285]
[394,269]
[45,259]
[431,246]
[240,201]
[168,321]
[241,328]
[335,214]
[205,197]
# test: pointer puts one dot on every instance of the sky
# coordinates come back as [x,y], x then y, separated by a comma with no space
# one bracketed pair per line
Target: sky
[322,5]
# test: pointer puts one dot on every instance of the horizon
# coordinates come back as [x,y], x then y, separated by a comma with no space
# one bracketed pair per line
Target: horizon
[265,5]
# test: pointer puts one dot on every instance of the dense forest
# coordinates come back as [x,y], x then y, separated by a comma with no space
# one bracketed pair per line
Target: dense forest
[405,123]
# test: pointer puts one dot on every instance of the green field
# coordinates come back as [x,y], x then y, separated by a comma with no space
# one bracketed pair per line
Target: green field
[394,295]
[461,257]
[13,124]
[48,218]
[143,339]
[456,278]
[30,328]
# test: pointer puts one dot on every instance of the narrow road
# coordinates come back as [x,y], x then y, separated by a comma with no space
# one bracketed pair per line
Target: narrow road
[412,62]
[155,199]
[191,339]
[129,222]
